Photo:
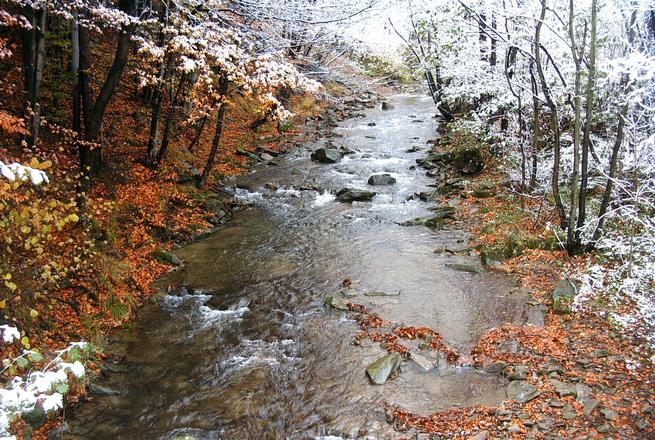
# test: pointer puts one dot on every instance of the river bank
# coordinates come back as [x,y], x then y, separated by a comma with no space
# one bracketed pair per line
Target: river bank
[243,346]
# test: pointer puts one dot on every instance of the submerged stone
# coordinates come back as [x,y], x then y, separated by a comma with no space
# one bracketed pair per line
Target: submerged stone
[348,195]
[380,370]
[465,267]
[381,179]
[336,302]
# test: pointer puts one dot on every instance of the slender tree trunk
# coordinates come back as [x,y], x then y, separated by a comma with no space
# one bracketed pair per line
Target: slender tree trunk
[614,162]
[577,104]
[75,67]
[217,133]
[200,128]
[494,42]
[554,118]
[170,116]
[536,129]
[33,62]
[586,138]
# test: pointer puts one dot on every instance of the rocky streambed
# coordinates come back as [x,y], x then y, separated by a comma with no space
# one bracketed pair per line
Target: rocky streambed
[244,345]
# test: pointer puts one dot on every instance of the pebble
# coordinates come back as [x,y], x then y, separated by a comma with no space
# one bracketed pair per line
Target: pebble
[569,414]
[482,435]
[603,428]
[555,403]
[515,428]
[589,406]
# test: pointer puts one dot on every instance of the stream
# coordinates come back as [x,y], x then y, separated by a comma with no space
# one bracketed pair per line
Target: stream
[253,352]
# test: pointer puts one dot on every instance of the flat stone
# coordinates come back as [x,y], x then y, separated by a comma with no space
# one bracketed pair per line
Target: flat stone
[516,372]
[482,435]
[336,302]
[420,360]
[609,414]
[377,293]
[380,370]
[521,391]
[569,413]
[552,367]
[465,267]
[589,406]
[600,353]
[555,403]
[603,428]
[563,389]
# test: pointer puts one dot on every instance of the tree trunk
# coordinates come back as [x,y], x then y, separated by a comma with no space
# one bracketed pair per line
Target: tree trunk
[217,133]
[199,129]
[614,161]
[586,138]
[554,118]
[166,136]
[33,61]
[75,67]
[577,104]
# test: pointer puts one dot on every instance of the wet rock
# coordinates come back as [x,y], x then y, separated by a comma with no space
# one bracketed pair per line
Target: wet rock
[521,391]
[336,302]
[609,414]
[563,389]
[376,293]
[381,179]
[166,257]
[371,124]
[380,370]
[184,437]
[420,360]
[326,155]
[563,296]
[589,406]
[413,149]
[101,390]
[465,267]
[516,372]
[266,156]
[430,222]
[443,212]
[348,195]
[386,106]
[59,432]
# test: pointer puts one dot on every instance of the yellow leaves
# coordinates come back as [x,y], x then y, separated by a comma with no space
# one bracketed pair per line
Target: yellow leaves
[34,163]
[73,218]
[11,286]
[34,314]
[25,342]
[3,304]
[26,230]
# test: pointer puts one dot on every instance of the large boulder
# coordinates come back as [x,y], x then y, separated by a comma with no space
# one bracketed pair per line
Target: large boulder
[348,195]
[381,179]
[326,155]
[563,296]
[468,160]
[380,370]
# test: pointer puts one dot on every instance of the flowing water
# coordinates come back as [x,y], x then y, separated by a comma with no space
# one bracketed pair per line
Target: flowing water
[259,355]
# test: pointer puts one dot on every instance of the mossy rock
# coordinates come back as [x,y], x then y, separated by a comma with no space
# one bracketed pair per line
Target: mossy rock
[562,296]
[469,160]
[166,257]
